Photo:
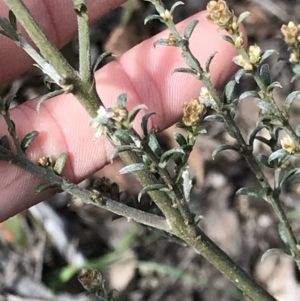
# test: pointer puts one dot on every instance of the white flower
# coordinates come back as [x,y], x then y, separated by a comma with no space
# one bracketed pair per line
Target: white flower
[99,123]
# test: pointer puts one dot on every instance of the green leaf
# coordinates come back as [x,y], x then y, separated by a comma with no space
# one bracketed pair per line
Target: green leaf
[254,133]
[190,28]
[154,144]
[180,139]
[280,156]
[12,20]
[270,119]
[122,100]
[265,105]
[242,17]
[100,59]
[265,75]
[191,60]
[135,111]
[46,97]
[222,148]
[267,53]
[123,135]
[60,163]
[45,186]
[151,188]
[200,130]
[132,168]
[186,70]
[152,17]
[166,155]
[177,3]
[5,142]
[274,251]
[121,149]
[217,118]
[262,193]
[28,139]
[248,94]
[274,85]
[289,101]
[209,60]
[239,75]
[282,233]
[264,159]
[298,130]
[229,89]
[227,39]
[288,174]
[8,30]
[144,123]
[161,42]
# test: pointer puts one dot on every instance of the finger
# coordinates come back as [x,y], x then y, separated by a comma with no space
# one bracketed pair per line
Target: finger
[144,73]
[58,20]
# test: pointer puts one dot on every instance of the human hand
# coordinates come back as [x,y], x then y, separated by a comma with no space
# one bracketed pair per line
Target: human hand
[144,73]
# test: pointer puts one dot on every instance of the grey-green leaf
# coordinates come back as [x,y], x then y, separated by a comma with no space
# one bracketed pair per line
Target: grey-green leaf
[227,39]
[288,174]
[122,100]
[256,192]
[282,233]
[265,75]
[177,3]
[186,70]
[121,149]
[274,251]
[166,155]
[100,59]
[135,111]
[242,17]
[289,101]
[161,42]
[5,142]
[154,144]
[217,118]
[229,89]
[280,155]
[12,20]
[150,188]
[152,17]
[298,130]
[132,168]
[209,60]
[254,133]
[222,148]
[274,85]
[239,75]
[144,123]
[248,94]
[190,28]
[46,97]
[60,163]
[180,139]
[267,53]
[264,159]
[265,105]
[28,139]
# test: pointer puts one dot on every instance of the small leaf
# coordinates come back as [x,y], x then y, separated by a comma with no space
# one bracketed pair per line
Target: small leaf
[265,75]
[190,28]
[267,53]
[123,135]
[12,20]
[200,130]
[152,17]
[121,149]
[298,130]
[265,105]
[154,144]
[274,251]
[151,188]
[42,187]
[46,97]
[229,89]
[5,142]
[242,17]
[282,233]
[288,174]
[227,39]
[222,148]
[161,42]
[60,163]
[248,94]
[180,139]
[217,118]
[270,119]
[254,133]
[28,139]
[191,60]
[280,155]
[289,101]
[144,123]
[100,59]
[122,100]
[209,60]
[166,155]
[239,75]
[264,160]
[262,193]
[274,85]
[132,168]
[186,70]
[177,3]
[135,111]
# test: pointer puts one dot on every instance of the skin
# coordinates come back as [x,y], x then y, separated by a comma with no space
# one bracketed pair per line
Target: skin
[144,73]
